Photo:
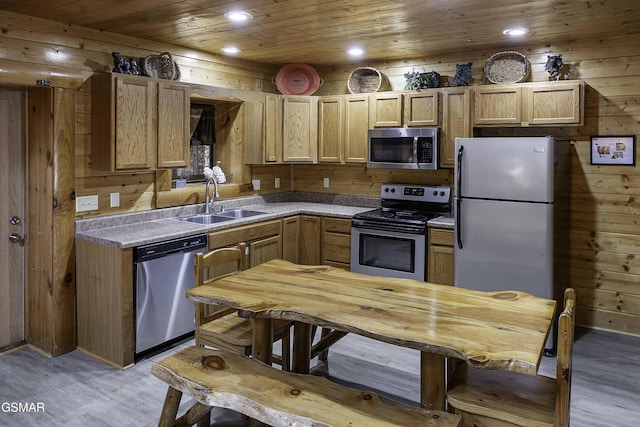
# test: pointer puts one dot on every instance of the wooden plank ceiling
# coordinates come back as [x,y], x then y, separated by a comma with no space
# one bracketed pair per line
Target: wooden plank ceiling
[319,32]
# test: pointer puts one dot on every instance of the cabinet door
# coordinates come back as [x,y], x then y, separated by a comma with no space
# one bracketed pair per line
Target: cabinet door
[134,132]
[300,129]
[553,103]
[336,242]
[421,108]
[386,109]
[309,240]
[291,239]
[440,257]
[273,129]
[330,129]
[356,126]
[456,110]
[173,125]
[440,265]
[498,105]
[264,250]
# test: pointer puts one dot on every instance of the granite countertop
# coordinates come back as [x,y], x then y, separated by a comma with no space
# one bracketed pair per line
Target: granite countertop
[444,221]
[131,230]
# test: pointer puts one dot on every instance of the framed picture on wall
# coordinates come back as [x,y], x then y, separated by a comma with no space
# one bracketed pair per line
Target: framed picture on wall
[613,150]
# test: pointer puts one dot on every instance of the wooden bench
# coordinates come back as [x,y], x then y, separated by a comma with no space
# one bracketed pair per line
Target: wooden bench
[278,398]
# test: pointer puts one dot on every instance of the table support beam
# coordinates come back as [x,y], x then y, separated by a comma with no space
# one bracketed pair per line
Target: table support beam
[433,381]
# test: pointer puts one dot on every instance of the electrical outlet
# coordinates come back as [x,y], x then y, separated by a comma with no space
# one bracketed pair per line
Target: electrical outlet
[325,183]
[114,200]
[256,184]
[277,183]
[86,203]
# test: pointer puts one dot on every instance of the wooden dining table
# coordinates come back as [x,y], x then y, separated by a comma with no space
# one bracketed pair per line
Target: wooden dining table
[504,330]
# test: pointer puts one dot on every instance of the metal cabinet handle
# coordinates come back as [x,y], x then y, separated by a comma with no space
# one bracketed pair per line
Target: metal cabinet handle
[16,238]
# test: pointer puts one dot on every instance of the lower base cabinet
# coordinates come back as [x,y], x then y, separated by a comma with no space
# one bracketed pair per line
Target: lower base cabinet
[440,257]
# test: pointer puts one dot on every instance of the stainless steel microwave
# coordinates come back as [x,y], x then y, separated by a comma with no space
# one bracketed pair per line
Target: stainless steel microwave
[404,148]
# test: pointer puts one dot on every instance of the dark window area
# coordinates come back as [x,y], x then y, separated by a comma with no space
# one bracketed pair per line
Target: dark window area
[203,137]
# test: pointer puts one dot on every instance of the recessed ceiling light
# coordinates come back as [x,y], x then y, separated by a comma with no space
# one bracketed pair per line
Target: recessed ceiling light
[238,16]
[520,31]
[355,51]
[232,50]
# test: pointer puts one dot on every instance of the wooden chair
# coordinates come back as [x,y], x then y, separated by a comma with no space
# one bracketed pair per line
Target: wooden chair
[499,398]
[220,327]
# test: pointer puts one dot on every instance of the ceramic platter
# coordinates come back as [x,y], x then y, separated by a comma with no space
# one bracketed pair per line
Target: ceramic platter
[297,79]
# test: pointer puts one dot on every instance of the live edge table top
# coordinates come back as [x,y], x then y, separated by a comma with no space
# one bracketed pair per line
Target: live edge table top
[491,330]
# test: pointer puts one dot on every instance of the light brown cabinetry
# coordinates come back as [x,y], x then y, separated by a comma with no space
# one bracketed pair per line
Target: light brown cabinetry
[529,104]
[138,123]
[386,109]
[336,242]
[291,239]
[263,130]
[264,240]
[310,235]
[105,309]
[421,108]
[440,257]
[300,129]
[343,122]
[456,122]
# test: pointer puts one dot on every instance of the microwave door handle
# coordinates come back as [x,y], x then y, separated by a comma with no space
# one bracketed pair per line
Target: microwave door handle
[459,197]
[415,150]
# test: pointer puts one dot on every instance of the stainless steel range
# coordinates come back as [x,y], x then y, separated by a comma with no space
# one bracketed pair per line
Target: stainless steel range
[392,241]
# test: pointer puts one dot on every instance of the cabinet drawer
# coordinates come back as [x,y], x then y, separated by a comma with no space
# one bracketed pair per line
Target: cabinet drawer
[244,233]
[336,225]
[440,237]
[336,247]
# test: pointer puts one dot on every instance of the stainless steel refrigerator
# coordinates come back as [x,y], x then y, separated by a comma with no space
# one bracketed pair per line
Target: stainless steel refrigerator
[507,221]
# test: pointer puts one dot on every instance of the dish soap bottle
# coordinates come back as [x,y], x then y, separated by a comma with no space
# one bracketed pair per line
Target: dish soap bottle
[219,174]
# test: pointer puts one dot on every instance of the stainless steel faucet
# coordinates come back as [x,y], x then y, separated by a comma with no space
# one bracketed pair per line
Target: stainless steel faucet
[208,203]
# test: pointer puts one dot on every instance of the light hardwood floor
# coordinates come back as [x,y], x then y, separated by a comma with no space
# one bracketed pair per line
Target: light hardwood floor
[77,390]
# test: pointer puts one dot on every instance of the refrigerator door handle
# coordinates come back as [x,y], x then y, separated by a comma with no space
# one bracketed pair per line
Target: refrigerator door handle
[458,196]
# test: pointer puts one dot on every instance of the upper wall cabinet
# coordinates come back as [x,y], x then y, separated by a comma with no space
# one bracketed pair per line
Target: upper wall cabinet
[530,104]
[421,108]
[386,109]
[138,123]
[397,109]
[343,122]
[263,130]
[456,122]
[300,129]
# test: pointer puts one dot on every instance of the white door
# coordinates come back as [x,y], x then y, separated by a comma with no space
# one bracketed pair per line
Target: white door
[11,219]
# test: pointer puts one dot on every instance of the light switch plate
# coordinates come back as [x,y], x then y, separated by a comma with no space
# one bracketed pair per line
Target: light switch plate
[256,184]
[277,183]
[86,203]
[325,183]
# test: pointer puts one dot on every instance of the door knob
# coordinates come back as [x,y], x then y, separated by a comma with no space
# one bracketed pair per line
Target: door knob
[16,238]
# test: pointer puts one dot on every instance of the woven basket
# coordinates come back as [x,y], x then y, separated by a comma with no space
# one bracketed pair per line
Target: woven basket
[507,67]
[367,80]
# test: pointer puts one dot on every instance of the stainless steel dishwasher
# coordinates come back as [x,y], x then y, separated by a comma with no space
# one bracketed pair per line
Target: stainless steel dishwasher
[163,272]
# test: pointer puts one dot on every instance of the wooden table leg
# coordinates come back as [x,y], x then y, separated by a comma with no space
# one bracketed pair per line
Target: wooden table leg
[262,348]
[432,381]
[301,347]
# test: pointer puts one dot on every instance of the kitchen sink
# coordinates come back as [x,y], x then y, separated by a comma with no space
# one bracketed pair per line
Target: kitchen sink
[205,218]
[214,218]
[239,213]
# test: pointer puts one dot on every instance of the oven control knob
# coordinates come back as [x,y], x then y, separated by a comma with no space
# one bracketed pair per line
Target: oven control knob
[386,189]
[435,193]
[393,190]
[442,193]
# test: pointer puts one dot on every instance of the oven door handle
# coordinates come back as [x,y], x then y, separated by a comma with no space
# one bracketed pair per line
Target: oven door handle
[459,197]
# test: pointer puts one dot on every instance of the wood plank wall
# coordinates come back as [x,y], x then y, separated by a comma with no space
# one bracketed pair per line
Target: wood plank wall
[604,259]
[605,234]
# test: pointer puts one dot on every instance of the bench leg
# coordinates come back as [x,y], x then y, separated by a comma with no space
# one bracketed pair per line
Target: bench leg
[170,408]
[301,347]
